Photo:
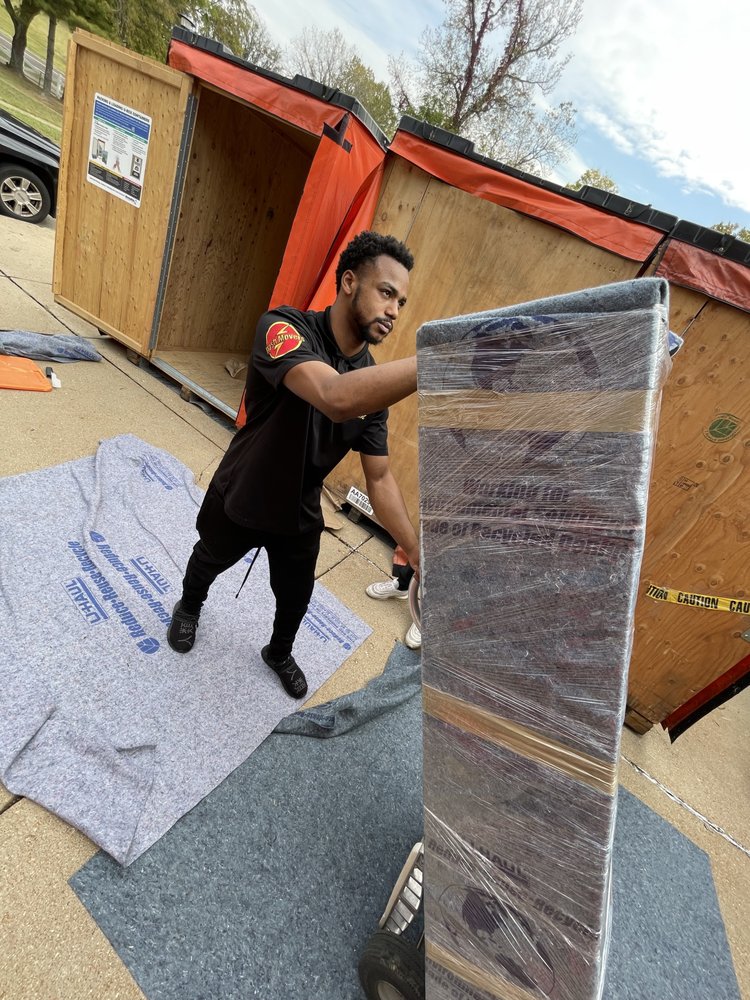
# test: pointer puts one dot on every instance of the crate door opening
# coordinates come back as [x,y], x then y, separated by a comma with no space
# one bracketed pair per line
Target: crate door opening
[245,177]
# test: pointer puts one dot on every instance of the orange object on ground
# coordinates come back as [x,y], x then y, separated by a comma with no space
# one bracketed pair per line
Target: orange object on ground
[21,373]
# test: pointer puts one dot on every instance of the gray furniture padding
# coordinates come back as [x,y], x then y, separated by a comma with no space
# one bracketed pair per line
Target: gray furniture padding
[537,429]
[110,728]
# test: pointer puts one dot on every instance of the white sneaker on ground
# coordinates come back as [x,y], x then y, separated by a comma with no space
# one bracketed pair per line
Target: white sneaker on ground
[413,637]
[382,591]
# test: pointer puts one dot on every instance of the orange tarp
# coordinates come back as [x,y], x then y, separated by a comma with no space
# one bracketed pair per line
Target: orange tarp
[611,232]
[279,99]
[21,373]
[340,178]
[702,271]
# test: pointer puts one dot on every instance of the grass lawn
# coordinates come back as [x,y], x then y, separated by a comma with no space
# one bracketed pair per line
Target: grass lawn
[37,37]
[25,101]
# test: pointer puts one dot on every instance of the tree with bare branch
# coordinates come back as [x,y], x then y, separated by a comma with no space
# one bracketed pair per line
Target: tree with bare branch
[485,73]
[326,56]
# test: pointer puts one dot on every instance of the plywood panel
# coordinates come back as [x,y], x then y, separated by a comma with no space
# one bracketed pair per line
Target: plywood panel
[684,306]
[469,255]
[109,252]
[698,518]
[205,370]
[403,191]
[242,189]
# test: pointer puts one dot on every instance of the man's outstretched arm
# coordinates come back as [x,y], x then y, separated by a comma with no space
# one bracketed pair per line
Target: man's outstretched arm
[344,397]
[388,503]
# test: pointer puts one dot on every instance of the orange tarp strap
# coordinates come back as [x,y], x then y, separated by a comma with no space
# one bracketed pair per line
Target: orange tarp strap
[698,269]
[344,163]
[22,373]
[359,218]
[285,102]
[626,238]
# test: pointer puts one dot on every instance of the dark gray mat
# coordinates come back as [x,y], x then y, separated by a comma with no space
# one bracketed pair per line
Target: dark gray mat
[271,886]
[668,937]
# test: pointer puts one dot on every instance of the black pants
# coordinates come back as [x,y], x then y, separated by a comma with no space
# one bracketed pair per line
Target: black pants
[291,562]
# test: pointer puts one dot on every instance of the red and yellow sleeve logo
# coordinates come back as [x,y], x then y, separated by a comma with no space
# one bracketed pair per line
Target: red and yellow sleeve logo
[281,339]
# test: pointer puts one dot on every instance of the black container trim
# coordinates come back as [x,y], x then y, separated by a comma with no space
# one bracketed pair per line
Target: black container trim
[728,247]
[612,203]
[328,94]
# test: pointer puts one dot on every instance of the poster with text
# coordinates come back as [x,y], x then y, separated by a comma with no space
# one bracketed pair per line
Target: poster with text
[118,149]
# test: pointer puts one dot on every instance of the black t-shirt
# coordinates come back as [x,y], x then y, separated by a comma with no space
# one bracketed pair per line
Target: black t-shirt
[271,475]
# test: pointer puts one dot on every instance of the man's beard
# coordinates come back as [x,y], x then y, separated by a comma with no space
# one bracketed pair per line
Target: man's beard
[364,327]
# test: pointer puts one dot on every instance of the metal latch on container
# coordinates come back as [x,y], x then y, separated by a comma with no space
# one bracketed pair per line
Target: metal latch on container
[746,635]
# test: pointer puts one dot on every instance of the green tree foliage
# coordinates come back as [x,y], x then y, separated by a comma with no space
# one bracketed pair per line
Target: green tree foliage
[485,71]
[594,178]
[359,81]
[732,229]
[145,25]
[326,56]
[239,26]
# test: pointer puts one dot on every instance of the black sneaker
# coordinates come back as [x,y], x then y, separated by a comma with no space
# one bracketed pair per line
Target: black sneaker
[182,630]
[288,673]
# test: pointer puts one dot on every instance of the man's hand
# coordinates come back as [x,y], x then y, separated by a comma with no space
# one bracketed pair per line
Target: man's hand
[414,562]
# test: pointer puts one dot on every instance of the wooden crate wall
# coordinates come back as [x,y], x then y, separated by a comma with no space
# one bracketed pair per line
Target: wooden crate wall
[243,185]
[698,526]
[108,253]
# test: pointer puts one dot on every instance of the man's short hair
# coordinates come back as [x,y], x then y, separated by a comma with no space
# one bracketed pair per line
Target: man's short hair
[364,248]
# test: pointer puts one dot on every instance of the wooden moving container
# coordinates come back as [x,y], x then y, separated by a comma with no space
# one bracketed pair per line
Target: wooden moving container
[698,528]
[486,237]
[237,201]
[475,250]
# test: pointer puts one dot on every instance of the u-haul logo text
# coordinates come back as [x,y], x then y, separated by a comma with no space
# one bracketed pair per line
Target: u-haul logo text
[88,606]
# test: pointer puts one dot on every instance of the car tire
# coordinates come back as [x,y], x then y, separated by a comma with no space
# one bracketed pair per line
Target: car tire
[392,968]
[23,194]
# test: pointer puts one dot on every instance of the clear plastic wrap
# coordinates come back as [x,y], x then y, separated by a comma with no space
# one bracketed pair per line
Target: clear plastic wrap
[537,430]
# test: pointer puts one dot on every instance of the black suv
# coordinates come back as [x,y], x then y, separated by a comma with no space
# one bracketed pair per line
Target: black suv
[29,165]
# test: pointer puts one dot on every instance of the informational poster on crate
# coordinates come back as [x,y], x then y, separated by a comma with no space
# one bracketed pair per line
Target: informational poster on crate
[118,149]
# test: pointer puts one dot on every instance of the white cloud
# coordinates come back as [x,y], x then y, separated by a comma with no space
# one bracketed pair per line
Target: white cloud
[570,169]
[664,81]
[377,29]
[661,80]
[614,131]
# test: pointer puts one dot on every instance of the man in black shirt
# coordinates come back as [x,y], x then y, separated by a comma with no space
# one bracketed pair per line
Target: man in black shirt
[313,393]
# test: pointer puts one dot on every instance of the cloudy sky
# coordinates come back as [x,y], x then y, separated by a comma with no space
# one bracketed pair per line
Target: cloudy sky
[658,86]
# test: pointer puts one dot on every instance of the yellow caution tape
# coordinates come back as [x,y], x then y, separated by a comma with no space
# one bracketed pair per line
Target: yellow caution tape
[735,604]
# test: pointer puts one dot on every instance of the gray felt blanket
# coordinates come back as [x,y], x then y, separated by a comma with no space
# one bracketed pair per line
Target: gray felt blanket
[47,347]
[103,724]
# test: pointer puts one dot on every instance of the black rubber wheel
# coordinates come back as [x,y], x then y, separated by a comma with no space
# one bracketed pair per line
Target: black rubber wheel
[23,195]
[391,968]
